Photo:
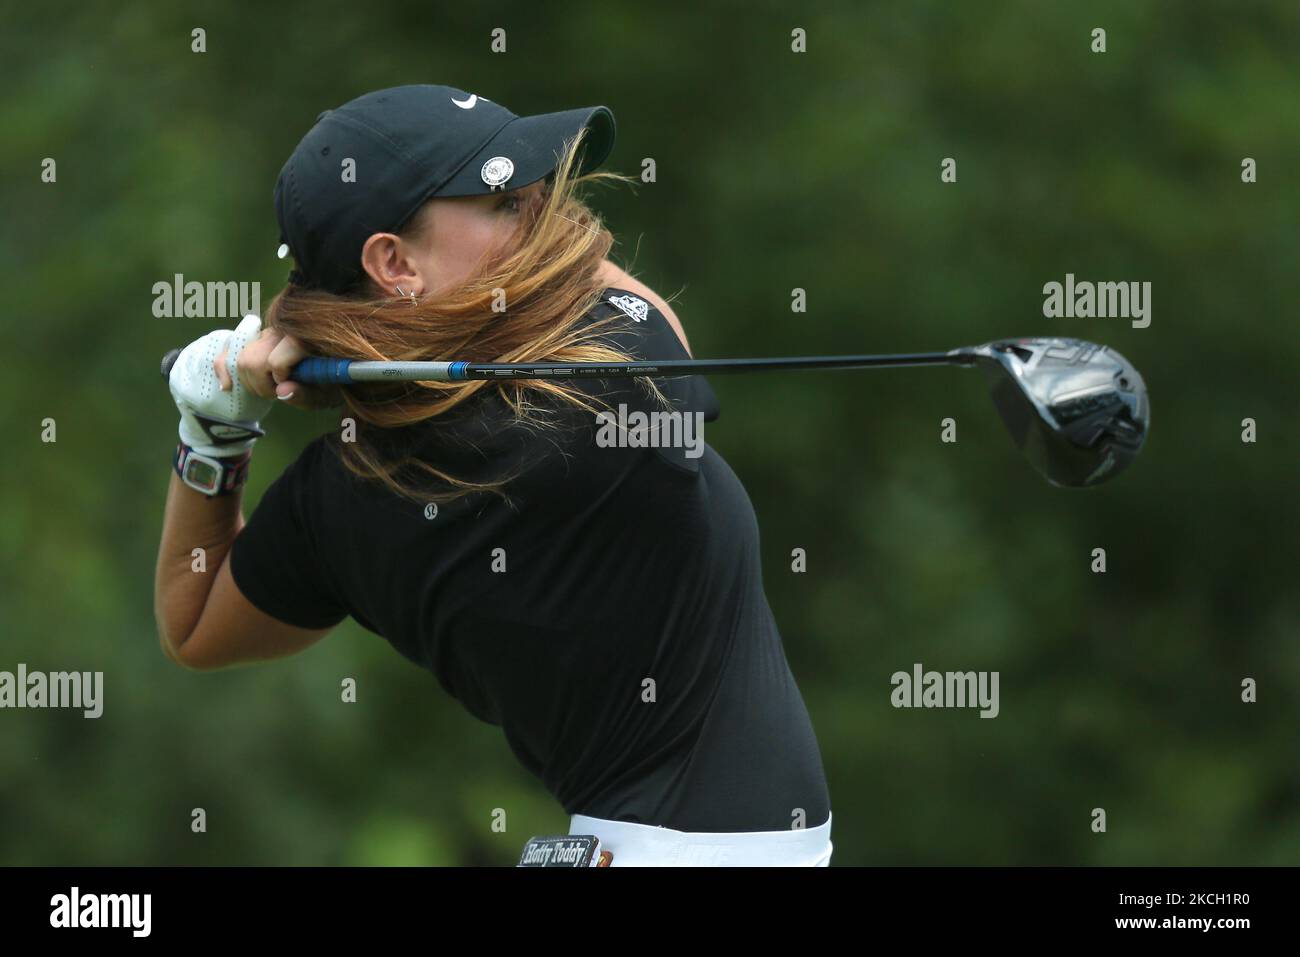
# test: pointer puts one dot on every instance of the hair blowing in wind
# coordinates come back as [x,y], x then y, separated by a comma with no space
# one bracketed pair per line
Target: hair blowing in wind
[525,303]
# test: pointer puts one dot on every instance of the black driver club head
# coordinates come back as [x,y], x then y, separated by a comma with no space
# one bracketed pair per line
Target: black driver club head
[1078,411]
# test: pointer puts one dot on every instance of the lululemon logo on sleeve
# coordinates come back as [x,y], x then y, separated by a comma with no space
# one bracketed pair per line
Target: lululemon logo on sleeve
[632,307]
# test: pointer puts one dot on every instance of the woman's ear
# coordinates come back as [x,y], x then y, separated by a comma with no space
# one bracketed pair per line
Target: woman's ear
[385,261]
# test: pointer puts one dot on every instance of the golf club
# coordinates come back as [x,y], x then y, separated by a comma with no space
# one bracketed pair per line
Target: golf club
[1077,410]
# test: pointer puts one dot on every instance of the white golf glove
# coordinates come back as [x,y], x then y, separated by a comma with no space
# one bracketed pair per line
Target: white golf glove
[216,423]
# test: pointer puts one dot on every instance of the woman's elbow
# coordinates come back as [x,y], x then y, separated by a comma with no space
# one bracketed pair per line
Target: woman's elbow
[173,650]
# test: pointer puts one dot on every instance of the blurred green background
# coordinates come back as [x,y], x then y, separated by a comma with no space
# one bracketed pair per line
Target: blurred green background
[775,171]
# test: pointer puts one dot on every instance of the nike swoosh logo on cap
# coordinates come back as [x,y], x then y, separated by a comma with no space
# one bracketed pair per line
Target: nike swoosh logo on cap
[466,104]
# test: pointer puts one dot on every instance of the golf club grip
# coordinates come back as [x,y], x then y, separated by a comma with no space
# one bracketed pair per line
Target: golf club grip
[318,371]
[314,371]
[168,361]
[321,371]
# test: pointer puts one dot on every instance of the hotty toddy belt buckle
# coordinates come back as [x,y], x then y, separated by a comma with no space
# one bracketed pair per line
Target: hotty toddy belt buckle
[565,850]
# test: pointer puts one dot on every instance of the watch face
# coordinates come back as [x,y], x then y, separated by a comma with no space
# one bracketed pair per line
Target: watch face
[202,474]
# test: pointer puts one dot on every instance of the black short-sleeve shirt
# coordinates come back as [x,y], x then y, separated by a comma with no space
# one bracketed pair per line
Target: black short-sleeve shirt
[608,614]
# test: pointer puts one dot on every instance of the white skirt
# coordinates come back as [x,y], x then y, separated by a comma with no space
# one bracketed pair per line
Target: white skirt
[642,845]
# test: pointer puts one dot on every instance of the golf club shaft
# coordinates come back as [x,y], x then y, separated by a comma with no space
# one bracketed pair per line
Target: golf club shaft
[318,371]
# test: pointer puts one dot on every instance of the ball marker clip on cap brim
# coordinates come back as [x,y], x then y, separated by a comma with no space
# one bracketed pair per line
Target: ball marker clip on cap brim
[1078,411]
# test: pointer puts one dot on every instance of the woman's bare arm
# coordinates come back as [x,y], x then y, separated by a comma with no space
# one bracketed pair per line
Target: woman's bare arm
[204,620]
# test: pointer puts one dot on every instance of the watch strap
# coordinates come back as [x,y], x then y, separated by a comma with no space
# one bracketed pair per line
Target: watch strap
[232,472]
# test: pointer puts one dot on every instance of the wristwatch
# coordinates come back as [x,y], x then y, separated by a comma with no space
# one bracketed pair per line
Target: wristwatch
[211,476]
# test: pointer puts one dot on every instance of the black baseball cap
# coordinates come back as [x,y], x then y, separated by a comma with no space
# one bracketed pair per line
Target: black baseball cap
[409,144]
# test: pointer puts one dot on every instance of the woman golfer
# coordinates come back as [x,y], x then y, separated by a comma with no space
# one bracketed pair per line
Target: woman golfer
[592,589]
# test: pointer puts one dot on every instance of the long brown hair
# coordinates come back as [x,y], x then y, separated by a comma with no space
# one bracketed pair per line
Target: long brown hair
[547,277]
